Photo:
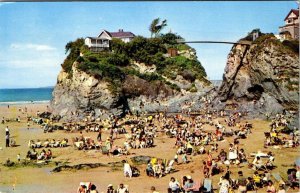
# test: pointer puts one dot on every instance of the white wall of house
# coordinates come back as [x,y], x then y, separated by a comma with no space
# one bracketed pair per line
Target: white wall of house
[87,42]
[292,18]
[96,43]
[104,36]
[126,40]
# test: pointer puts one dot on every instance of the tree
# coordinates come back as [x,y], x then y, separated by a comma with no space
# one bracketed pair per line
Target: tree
[155,26]
[73,48]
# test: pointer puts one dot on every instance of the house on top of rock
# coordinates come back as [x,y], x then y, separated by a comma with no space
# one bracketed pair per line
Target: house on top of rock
[102,41]
[291,28]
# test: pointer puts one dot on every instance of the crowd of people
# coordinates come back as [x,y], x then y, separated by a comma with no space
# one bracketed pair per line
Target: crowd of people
[88,187]
[193,135]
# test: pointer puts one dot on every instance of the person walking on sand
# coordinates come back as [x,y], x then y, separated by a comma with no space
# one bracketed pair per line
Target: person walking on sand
[99,137]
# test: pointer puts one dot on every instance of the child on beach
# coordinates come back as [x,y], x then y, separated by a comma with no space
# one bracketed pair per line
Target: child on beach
[184,158]
[18,157]
[176,158]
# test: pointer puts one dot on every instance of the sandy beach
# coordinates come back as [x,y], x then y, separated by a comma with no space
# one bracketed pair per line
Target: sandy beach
[41,179]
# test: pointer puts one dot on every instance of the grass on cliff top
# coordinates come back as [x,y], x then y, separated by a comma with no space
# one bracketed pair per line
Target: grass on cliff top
[111,64]
[289,46]
[266,38]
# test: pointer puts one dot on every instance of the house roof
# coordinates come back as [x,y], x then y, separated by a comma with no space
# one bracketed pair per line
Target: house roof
[295,11]
[104,31]
[121,34]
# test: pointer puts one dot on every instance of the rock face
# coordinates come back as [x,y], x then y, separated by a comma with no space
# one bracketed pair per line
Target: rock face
[78,95]
[261,78]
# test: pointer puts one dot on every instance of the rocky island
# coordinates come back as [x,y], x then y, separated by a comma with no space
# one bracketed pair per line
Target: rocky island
[137,76]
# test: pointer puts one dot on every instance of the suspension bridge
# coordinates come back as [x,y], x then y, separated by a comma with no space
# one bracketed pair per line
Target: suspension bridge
[241,42]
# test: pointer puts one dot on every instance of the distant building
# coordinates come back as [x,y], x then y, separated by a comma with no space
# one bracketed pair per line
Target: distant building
[172,52]
[255,35]
[291,28]
[102,42]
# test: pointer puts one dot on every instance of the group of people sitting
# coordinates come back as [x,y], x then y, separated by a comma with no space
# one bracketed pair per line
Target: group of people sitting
[85,143]
[158,167]
[259,164]
[273,138]
[43,155]
[189,185]
[88,187]
[255,182]
[48,143]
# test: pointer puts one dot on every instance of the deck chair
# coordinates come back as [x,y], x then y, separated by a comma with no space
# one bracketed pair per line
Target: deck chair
[169,168]
[280,180]
[197,186]
[207,185]
[104,150]
[12,143]
[78,144]
[128,136]
[277,176]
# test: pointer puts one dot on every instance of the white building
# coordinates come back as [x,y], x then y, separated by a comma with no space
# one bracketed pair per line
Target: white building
[102,41]
[291,28]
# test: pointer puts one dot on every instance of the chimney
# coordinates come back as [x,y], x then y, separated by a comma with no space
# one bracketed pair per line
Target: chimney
[120,30]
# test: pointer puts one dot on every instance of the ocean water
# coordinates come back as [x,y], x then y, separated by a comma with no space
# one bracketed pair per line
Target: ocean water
[25,95]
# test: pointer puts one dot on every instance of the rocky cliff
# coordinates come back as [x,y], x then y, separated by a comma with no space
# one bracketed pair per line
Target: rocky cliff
[261,78]
[82,93]
[114,82]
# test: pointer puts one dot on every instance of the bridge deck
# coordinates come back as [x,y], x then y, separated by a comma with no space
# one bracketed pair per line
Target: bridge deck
[243,42]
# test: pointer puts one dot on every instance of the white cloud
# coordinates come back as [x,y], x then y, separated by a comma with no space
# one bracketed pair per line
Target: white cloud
[36,47]
[30,63]
[5,3]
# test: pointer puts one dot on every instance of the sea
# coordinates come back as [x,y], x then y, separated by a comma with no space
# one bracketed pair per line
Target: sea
[13,96]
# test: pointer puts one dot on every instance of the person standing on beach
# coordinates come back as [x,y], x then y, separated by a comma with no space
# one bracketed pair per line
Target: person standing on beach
[7,140]
[6,130]
[99,137]
[7,136]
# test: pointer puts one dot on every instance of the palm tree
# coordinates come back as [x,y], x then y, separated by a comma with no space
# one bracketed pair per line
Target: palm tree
[155,26]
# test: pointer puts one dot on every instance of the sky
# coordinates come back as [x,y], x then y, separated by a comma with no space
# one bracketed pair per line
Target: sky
[33,35]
